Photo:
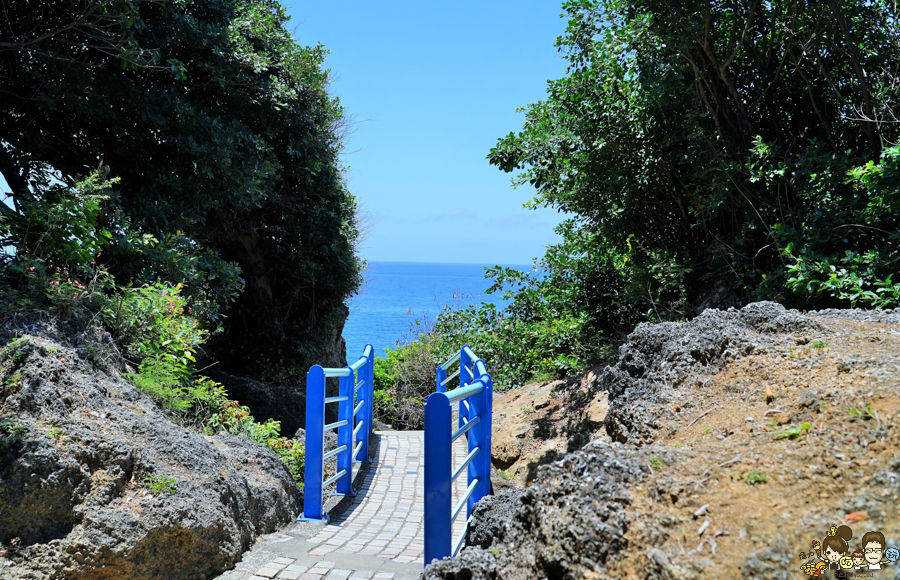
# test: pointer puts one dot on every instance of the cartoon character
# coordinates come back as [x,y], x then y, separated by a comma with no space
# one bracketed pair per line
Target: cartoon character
[815,551]
[846,562]
[814,568]
[873,544]
[835,546]
[859,557]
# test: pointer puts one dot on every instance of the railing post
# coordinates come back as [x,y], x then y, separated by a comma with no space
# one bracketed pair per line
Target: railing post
[363,414]
[438,485]
[485,411]
[315,444]
[464,379]
[370,397]
[479,437]
[345,435]
[441,376]
[484,458]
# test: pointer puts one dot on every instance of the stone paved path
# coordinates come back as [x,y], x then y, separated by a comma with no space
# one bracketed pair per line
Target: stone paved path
[379,536]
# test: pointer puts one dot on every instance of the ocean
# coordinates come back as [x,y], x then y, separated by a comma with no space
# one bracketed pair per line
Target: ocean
[394,293]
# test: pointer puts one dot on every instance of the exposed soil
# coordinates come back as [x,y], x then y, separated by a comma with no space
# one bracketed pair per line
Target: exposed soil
[718,448]
[538,423]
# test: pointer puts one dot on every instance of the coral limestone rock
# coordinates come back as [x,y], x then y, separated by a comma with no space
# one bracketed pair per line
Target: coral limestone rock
[96,482]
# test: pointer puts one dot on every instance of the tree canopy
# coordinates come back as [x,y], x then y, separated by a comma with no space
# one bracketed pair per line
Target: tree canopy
[224,142]
[712,143]
[708,153]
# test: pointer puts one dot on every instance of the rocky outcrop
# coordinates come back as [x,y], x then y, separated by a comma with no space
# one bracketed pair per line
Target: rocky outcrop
[567,525]
[96,483]
[729,443]
[333,352]
[674,353]
[490,518]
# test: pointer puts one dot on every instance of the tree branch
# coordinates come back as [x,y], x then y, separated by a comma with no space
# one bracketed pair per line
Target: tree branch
[740,43]
[857,68]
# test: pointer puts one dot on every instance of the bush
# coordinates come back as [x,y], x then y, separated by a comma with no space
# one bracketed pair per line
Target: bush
[56,241]
[192,402]
[843,249]
[151,321]
[403,382]
[55,231]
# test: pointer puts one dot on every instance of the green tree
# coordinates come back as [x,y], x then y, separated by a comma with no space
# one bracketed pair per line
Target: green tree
[713,139]
[225,142]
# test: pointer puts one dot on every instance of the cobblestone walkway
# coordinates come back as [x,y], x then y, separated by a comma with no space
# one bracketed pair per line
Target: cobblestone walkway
[379,536]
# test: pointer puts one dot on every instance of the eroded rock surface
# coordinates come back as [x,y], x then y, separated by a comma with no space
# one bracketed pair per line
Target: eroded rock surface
[571,522]
[77,446]
[730,443]
[491,517]
[672,353]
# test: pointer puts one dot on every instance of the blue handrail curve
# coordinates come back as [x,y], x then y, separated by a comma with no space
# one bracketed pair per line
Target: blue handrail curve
[474,396]
[354,423]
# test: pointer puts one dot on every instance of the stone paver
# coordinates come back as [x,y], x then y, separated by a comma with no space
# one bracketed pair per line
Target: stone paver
[387,517]
[380,536]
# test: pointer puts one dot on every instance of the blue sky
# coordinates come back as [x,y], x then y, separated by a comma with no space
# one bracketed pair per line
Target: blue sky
[431,87]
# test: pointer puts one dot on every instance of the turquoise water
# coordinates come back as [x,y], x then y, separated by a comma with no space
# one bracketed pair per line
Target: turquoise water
[396,292]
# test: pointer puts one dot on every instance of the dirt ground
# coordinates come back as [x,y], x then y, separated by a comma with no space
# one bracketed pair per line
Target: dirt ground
[769,452]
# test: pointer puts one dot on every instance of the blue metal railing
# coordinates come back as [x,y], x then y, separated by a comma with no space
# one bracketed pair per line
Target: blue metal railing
[467,372]
[474,396]
[354,425]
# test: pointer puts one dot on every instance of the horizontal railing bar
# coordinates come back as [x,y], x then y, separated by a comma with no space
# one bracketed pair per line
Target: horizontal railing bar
[358,427]
[465,463]
[358,364]
[482,369]
[466,403]
[336,399]
[334,452]
[359,406]
[356,450]
[344,372]
[334,478]
[465,498]
[471,374]
[337,424]
[450,378]
[451,360]
[359,384]
[469,424]
[458,544]
[463,392]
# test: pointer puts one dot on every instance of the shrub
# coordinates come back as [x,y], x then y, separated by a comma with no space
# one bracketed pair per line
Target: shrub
[191,401]
[11,434]
[403,382]
[160,484]
[842,251]
[150,321]
[55,231]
